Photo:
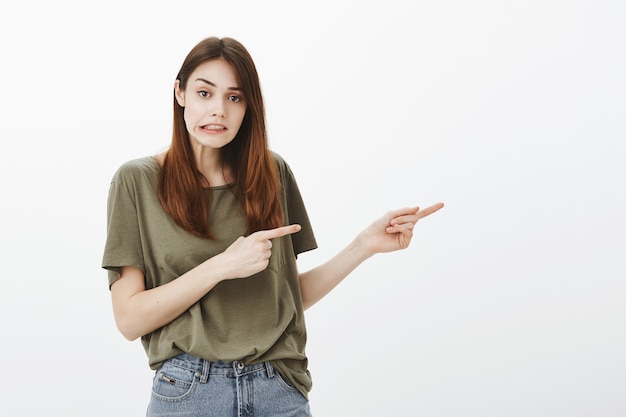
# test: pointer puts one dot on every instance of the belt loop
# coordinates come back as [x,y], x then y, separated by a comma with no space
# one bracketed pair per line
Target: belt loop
[270,369]
[206,366]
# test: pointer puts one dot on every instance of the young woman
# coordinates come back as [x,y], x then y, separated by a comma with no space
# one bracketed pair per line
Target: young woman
[201,251]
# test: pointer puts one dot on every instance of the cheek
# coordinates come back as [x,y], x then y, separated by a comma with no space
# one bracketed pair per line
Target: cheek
[190,117]
[241,113]
[188,123]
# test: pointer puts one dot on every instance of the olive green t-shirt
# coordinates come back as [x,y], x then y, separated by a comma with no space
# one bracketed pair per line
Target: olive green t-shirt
[253,319]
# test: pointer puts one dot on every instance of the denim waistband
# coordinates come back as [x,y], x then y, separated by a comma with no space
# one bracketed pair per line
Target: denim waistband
[205,368]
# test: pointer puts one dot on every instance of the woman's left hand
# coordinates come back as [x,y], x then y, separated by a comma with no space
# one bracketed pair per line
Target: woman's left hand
[394,230]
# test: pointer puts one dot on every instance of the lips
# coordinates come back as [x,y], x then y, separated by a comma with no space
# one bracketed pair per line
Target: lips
[214,127]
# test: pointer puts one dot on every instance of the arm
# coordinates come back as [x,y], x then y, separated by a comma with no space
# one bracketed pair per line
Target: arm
[138,311]
[391,232]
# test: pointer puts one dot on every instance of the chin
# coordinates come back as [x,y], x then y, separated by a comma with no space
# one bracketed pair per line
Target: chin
[214,143]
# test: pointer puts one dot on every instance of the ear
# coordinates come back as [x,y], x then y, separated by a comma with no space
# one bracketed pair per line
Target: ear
[179,94]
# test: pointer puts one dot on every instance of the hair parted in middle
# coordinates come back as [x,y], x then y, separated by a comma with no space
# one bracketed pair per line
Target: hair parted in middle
[257,183]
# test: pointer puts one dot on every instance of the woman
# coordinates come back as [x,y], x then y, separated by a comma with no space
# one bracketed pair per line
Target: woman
[201,251]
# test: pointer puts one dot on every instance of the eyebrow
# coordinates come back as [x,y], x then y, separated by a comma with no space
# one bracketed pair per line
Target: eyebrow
[212,84]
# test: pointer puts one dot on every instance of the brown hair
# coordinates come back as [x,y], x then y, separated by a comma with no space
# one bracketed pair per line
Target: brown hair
[257,183]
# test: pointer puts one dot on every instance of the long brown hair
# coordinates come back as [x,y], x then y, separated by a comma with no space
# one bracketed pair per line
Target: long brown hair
[257,184]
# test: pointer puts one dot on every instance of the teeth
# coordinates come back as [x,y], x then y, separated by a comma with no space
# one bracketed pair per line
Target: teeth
[213,127]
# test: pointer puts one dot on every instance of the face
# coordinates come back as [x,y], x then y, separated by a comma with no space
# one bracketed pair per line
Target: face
[213,105]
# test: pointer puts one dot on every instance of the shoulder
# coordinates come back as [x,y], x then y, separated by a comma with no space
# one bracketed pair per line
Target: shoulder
[137,169]
[284,170]
[283,167]
[280,161]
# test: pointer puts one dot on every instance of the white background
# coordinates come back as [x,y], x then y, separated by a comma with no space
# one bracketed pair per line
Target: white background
[511,301]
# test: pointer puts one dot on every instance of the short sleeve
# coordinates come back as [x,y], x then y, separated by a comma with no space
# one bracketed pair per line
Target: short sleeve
[123,241]
[295,210]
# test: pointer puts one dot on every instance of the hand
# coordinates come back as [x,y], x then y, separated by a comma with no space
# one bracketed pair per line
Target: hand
[394,230]
[249,255]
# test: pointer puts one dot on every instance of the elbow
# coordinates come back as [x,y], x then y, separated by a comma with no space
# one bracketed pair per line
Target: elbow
[306,305]
[130,336]
[128,329]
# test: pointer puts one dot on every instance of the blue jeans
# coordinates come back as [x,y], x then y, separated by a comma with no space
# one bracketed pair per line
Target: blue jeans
[192,387]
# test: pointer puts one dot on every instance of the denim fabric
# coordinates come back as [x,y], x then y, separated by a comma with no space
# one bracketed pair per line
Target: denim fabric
[192,387]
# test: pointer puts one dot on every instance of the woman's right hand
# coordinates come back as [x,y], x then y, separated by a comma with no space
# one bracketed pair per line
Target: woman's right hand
[249,255]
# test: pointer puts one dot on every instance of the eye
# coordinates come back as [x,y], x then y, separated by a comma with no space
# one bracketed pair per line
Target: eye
[204,93]
[235,99]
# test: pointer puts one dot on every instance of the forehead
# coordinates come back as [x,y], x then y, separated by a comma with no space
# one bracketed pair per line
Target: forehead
[218,72]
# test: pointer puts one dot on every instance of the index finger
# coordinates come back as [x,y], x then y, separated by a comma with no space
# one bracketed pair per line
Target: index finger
[278,232]
[428,210]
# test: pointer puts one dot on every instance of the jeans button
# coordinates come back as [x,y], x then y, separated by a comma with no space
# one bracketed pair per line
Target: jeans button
[240,365]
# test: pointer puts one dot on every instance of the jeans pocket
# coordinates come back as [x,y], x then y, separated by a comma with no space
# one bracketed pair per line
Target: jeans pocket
[173,383]
[284,382]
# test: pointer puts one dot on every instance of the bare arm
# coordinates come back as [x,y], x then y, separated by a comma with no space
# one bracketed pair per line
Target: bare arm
[391,232]
[139,311]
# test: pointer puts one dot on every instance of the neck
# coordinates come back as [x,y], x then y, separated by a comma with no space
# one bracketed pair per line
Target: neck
[211,164]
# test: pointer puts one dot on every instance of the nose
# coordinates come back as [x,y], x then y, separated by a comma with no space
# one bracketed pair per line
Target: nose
[217,108]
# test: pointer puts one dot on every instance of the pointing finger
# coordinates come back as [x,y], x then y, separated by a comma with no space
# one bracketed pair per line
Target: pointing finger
[429,210]
[278,232]
[412,215]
